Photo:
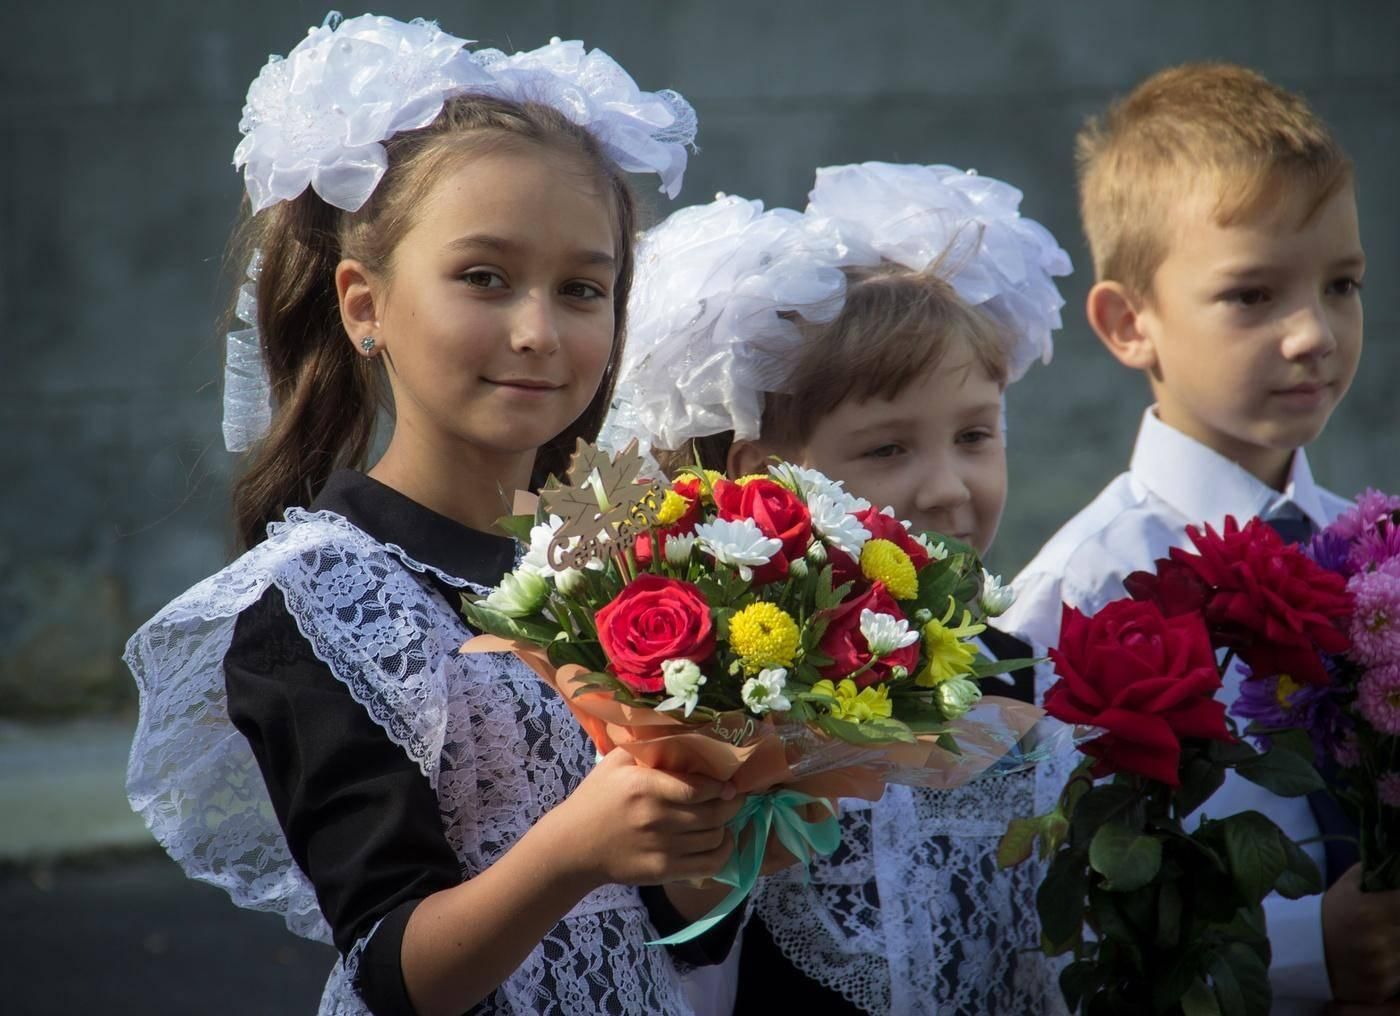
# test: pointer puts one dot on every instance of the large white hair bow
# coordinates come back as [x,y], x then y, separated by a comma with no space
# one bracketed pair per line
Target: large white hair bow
[996,259]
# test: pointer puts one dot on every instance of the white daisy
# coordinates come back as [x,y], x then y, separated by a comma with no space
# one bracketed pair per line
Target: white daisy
[996,598]
[683,680]
[765,692]
[738,542]
[834,521]
[885,633]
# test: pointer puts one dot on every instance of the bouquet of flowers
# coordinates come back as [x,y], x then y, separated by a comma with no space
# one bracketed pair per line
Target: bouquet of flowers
[775,631]
[1162,917]
[1352,719]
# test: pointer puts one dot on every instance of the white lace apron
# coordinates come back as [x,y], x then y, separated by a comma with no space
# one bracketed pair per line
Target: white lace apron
[497,745]
[911,914]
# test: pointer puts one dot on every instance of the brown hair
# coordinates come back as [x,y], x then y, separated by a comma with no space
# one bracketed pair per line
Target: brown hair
[896,325]
[1152,149]
[326,397]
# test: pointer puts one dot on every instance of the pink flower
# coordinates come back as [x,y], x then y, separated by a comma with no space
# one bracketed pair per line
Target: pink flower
[1378,698]
[1389,788]
[1347,751]
[1377,548]
[1375,619]
[1371,506]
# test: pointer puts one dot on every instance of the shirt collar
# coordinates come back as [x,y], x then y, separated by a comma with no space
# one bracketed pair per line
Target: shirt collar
[1205,486]
[423,534]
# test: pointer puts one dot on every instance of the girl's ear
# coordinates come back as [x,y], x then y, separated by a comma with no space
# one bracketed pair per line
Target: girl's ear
[747,457]
[1120,320]
[358,292]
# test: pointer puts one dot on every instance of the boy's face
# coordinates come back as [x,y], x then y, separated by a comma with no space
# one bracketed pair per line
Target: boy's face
[1256,326]
[934,453]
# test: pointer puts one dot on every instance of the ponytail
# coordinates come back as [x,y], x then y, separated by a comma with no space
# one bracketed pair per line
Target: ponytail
[326,398]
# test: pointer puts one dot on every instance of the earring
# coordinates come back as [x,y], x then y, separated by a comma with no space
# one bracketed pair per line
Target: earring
[367,344]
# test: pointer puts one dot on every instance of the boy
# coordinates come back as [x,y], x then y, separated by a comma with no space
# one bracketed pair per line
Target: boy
[1221,217]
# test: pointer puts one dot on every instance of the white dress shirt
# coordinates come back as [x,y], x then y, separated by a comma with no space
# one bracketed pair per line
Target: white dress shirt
[1174,481]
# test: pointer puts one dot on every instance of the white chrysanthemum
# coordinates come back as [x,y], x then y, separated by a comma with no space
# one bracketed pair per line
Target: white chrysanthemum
[885,633]
[678,549]
[683,680]
[996,598]
[833,521]
[520,594]
[738,542]
[764,693]
[957,696]
[536,559]
[935,551]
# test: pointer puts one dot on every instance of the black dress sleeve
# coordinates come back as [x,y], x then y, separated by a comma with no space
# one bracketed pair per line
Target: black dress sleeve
[361,820]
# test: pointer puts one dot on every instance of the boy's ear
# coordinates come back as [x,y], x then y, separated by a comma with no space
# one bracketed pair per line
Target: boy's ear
[1114,313]
[356,289]
[747,457]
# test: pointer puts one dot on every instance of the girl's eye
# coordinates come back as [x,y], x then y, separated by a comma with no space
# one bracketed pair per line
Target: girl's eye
[977,436]
[583,291]
[884,451]
[1251,297]
[1345,286]
[483,278]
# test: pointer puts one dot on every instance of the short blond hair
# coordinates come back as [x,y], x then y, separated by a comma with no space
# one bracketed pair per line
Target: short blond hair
[1151,150]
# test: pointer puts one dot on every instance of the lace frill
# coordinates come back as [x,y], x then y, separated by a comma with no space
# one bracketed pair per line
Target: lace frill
[499,747]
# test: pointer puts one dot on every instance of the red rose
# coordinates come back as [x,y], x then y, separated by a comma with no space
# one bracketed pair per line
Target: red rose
[654,619]
[778,513]
[1174,587]
[846,646]
[1265,599]
[1149,680]
[887,527]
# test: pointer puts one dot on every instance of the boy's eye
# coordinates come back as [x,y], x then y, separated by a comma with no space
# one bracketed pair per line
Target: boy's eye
[977,436]
[1345,286]
[884,451]
[483,278]
[1251,297]
[582,290]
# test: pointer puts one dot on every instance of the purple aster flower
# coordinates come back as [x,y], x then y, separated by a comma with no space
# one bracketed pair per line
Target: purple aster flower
[1280,701]
[1388,787]
[1332,551]
[1375,618]
[1378,699]
[1371,506]
[1347,750]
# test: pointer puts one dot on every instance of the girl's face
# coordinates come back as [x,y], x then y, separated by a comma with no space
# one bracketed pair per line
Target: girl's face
[497,322]
[934,453]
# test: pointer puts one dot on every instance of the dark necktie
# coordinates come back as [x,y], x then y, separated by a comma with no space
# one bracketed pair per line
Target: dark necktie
[1332,819]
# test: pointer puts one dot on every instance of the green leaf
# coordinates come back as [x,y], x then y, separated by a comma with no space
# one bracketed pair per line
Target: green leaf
[1301,877]
[1060,898]
[1098,806]
[518,526]
[1168,915]
[1241,980]
[1127,859]
[1200,779]
[1256,855]
[1079,981]
[984,667]
[1199,1000]
[585,654]
[868,732]
[1282,772]
[1018,841]
[483,618]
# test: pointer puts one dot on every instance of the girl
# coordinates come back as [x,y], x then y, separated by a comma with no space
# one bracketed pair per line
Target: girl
[309,739]
[894,387]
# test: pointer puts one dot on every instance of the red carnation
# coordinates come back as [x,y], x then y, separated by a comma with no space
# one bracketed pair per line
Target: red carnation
[847,647]
[887,527]
[654,619]
[1266,600]
[1149,680]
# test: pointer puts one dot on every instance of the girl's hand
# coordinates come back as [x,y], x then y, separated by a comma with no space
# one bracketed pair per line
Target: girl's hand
[632,825]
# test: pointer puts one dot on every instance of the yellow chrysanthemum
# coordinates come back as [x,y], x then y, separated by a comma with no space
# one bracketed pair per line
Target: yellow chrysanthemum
[857,705]
[883,561]
[763,635]
[743,480]
[947,653]
[673,507]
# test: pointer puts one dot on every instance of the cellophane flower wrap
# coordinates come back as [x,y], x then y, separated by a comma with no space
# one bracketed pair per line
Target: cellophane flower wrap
[1351,719]
[775,631]
[1162,914]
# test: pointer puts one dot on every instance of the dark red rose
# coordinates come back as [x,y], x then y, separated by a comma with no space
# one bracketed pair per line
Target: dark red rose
[1268,601]
[887,527]
[847,647]
[778,513]
[654,619]
[1149,680]
[1174,587]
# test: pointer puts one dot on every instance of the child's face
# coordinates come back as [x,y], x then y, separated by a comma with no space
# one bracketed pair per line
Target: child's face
[1256,326]
[498,319]
[934,453]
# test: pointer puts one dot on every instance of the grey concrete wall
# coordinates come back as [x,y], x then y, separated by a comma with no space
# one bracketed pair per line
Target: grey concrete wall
[116,198]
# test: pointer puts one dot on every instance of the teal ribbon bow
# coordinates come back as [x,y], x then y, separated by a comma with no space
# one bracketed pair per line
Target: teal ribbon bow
[761,813]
